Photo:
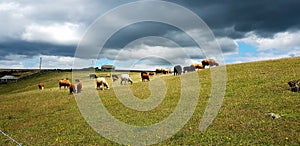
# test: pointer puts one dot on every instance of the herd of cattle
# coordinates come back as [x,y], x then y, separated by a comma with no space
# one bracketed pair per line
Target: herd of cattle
[102,84]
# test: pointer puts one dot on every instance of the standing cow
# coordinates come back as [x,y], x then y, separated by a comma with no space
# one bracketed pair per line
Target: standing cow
[188,69]
[158,70]
[64,82]
[78,85]
[93,76]
[72,88]
[197,66]
[177,70]
[209,62]
[144,76]
[162,70]
[151,73]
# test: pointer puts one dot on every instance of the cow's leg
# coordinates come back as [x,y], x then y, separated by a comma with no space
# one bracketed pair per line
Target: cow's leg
[98,85]
[106,85]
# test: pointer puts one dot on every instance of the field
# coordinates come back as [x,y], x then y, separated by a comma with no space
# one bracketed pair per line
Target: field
[52,117]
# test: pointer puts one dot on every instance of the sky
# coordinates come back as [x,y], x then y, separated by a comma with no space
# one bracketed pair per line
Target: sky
[67,33]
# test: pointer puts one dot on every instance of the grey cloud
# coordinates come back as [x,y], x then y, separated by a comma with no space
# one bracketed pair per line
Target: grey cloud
[30,49]
[229,20]
[261,16]
[144,29]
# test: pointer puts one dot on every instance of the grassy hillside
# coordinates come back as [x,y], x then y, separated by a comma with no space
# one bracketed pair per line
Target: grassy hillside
[51,116]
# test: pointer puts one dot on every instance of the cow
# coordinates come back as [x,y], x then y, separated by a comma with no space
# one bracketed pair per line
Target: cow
[125,78]
[162,70]
[188,69]
[166,71]
[151,73]
[177,70]
[144,76]
[64,82]
[78,85]
[158,70]
[209,62]
[114,77]
[101,82]
[41,86]
[295,85]
[197,66]
[93,76]
[72,88]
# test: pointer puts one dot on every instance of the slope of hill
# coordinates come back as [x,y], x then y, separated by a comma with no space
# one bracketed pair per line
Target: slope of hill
[51,116]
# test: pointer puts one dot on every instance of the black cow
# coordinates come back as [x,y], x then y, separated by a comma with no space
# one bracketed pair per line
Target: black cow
[93,76]
[295,85]
[189,69]
[177,70]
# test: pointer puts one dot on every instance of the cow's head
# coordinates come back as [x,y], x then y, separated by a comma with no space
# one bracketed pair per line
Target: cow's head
[130,80]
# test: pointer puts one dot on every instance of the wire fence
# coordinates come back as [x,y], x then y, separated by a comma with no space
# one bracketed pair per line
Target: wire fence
[10,138]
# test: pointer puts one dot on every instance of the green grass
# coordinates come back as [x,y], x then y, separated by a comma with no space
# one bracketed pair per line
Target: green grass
[51,116]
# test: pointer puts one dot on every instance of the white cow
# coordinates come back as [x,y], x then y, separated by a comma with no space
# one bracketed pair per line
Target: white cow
[101,82]
[126,78]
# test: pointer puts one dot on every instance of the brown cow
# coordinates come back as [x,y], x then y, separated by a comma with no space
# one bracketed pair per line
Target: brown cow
[198,66]
[144,76]
[79,86]
[158,70]
[151,73]
[209,62]
[166,71]
[162,70]
[72,88]
[41,86]
[64,82]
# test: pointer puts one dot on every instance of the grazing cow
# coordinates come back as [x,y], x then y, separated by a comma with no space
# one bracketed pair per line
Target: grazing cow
[197,66]
[295,85]
[162,70]
[101,82]
[79,85]
[114,77]
[144,76]
[93,76]
[125,78]
[41,86]
[158,70]
[177,70]
[151,73]
[188,69]
[209,62]
[72,89]
[166,71]
[64,82]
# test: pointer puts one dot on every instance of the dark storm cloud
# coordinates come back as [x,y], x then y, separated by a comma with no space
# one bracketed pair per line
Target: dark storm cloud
[264,17]
[143,29]
[228,19]
[29,49]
